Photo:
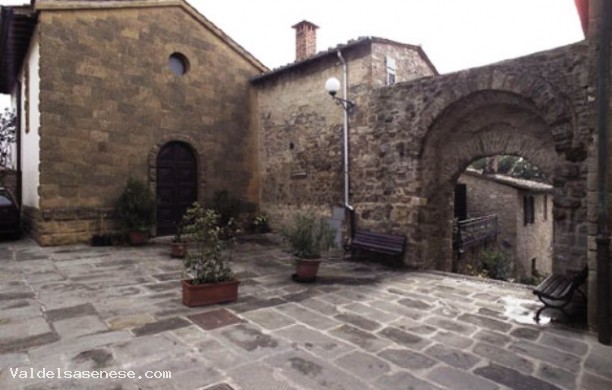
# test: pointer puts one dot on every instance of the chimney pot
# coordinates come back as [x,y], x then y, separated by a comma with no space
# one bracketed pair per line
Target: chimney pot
[305,40]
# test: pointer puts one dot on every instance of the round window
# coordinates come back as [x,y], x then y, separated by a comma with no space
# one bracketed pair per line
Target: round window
[178,63]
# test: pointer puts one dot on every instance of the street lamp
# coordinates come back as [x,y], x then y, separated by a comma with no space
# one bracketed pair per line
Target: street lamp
[332,86]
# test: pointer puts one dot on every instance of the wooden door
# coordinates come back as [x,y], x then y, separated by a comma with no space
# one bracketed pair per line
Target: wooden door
[176,185]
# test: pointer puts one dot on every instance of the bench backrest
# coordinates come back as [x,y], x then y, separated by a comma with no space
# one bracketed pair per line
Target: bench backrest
[387,240]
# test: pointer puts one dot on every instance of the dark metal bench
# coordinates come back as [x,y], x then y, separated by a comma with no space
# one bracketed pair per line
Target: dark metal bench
[386,244]
[557,291]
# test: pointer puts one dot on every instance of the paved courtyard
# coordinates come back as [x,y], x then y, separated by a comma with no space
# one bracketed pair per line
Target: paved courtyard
[75,310]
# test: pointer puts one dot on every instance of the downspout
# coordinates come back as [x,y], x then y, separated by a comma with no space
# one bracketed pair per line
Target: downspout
[347,204]
[19,152]
[602,239]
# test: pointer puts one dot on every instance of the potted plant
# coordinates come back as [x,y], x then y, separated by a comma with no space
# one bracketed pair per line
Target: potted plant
[136,211]
[178,246]
[210,277]
[101,239]
[309,237]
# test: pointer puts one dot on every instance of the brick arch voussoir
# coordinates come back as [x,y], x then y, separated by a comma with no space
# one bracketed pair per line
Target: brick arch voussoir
[550,103]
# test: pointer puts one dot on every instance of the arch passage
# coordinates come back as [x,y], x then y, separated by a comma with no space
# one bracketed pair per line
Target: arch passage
[176,184]
[489,123]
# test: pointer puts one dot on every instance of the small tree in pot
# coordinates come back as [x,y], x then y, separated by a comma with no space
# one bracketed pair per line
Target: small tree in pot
[178,246]
[136,210]
[309,237]
[211,279]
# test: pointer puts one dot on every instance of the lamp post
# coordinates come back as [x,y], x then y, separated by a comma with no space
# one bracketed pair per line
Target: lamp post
[332,86]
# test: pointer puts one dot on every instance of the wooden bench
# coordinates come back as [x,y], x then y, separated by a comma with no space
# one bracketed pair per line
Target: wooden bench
[385,244]
[557,291]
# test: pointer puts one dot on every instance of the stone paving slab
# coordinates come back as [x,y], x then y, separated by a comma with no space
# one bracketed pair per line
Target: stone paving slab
[310,372]
[259,376]
[361,326]
[315,342]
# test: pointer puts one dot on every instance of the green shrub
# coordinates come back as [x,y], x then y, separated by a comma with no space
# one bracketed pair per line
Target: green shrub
[497,263]
[208,264]
[309,236]
[136,207]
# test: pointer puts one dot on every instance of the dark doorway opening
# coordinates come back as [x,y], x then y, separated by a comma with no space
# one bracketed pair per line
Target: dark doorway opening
[461,211]
[176,185]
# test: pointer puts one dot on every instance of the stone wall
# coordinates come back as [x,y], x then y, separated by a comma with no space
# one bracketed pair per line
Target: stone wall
[301,146]
[534,240]
[300,149]
[410,142]
[486,197]
[108,99]
[410,61]
[421,135]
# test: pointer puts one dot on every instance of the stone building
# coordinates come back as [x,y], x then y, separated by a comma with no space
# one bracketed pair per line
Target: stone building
[111,90]
[300,127]
[524,217]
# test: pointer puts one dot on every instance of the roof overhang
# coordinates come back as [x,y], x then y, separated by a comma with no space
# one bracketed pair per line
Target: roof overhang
[17,25]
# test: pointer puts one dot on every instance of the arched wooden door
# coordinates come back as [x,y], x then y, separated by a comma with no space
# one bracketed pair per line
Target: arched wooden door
[177,182]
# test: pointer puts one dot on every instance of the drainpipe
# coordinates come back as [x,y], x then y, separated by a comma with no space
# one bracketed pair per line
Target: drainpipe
[347,205]
[602,239]
[18,147]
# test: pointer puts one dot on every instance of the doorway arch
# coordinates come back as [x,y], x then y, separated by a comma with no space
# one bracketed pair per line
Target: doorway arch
[176,184]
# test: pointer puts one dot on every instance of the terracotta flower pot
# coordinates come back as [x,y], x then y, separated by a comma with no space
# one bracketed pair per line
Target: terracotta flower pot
[178,249]
[138,238]
[210,293]
[101,240]
[306,270]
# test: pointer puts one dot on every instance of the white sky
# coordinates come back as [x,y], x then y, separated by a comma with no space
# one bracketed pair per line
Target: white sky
[455,34]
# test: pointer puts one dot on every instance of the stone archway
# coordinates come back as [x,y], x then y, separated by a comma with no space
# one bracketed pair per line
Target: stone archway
[492,122]
[410,141]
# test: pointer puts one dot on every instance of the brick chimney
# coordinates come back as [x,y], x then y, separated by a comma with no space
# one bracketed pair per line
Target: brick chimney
[305,40]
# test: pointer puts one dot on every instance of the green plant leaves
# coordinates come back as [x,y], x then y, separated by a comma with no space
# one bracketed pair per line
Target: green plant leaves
[208,264]
[309,236]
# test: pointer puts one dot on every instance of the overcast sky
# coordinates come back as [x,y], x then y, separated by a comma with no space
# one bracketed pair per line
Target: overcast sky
[455,34]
